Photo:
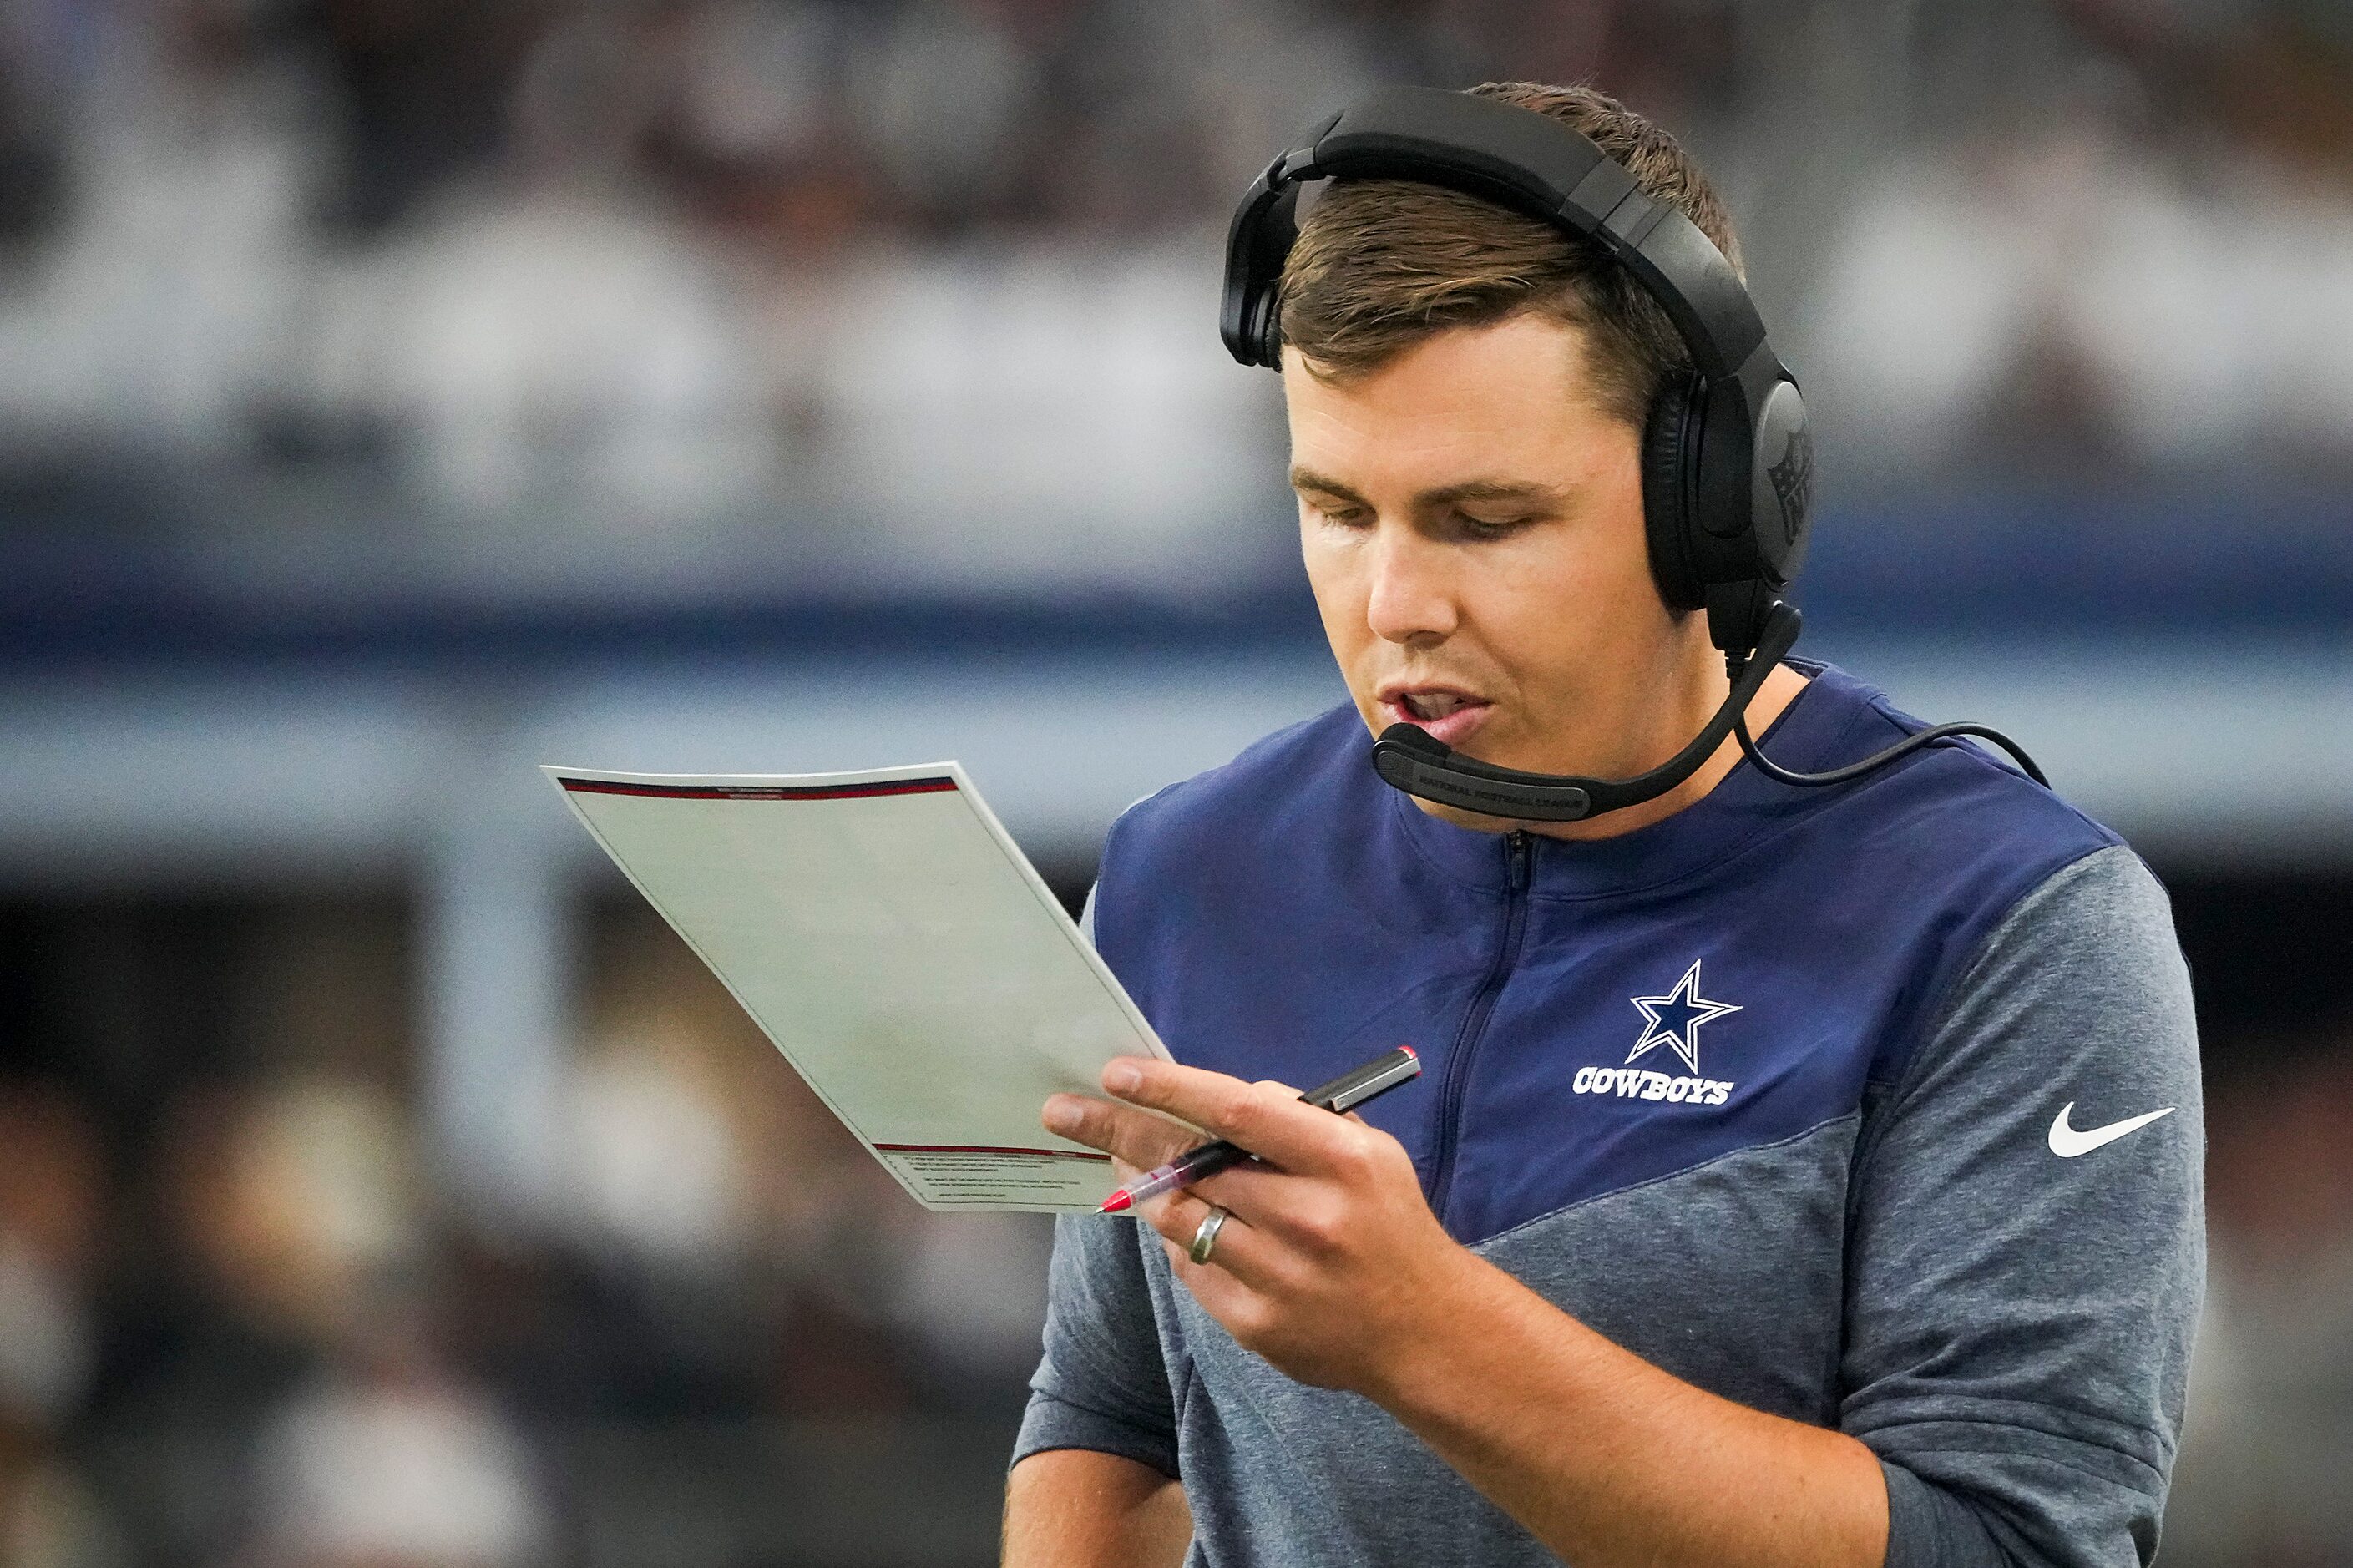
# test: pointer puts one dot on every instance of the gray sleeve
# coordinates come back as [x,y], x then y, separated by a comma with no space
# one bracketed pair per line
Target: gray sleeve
[1102,1382]
[2020,1309]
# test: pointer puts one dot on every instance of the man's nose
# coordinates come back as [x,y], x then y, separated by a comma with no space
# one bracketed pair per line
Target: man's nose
[1411,598]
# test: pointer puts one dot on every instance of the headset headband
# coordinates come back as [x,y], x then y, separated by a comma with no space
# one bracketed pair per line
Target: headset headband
[1516,158]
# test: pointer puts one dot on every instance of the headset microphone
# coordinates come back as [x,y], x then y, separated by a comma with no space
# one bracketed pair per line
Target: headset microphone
[1727,459]
[1418,762]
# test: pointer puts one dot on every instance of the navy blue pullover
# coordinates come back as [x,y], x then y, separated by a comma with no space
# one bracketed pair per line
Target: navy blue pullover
[1763,1091]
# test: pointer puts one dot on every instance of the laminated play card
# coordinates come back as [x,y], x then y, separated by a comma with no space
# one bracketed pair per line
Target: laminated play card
[891,938]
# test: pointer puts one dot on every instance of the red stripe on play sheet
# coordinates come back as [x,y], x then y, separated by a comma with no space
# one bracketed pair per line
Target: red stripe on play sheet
[757,791]
[987,1149]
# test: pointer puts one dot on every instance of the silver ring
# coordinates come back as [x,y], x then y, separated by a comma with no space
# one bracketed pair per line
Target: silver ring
[1205,1239]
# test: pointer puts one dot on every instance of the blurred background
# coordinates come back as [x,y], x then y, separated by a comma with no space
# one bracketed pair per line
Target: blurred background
[397,394]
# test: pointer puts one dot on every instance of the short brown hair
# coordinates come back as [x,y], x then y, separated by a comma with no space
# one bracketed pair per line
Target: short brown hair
[1382,264]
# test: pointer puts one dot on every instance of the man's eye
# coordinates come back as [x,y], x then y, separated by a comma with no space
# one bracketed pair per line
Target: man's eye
[1343,516]
[1490,527]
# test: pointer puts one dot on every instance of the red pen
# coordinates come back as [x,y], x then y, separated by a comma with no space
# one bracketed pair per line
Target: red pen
[1342,1095]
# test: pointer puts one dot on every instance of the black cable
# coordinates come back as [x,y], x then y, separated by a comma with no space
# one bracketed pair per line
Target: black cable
[1735,667]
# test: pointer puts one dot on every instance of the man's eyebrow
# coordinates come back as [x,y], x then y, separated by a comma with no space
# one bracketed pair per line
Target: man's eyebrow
[1444,495]
[1309,479]
[1489,489]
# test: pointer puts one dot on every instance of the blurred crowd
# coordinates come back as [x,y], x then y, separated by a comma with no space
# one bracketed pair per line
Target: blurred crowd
[2270,1442]
[934,280]
[246,1323]
[2145,266]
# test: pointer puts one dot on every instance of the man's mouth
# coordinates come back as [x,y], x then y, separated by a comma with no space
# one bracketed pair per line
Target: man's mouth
[1449,716]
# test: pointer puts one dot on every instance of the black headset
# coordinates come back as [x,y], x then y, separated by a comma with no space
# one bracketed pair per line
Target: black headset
[1727,461]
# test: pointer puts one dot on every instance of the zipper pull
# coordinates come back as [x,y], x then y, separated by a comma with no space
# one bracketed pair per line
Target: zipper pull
[1519,847]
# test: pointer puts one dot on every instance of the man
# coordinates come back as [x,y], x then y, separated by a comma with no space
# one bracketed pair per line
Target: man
[1799,1175]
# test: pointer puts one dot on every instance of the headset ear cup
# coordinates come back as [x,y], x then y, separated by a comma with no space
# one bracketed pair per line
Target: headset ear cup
[1667,436]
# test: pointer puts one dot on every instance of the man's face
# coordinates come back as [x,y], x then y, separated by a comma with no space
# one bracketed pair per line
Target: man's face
[1472,521]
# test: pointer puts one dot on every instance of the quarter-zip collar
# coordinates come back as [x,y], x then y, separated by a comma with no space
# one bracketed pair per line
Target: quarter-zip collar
[1519,856]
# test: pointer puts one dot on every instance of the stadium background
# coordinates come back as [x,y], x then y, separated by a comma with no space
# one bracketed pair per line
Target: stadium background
[396,393]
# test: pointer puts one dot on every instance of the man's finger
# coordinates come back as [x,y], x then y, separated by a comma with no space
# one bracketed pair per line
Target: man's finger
[1270,1121]
[1138,1137]
[1238,1249]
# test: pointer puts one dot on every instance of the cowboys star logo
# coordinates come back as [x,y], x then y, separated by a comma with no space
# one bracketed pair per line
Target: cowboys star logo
[1674,1020]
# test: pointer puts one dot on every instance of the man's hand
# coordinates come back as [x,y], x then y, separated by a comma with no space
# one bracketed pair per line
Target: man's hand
[1331,1264]
[1333,1268]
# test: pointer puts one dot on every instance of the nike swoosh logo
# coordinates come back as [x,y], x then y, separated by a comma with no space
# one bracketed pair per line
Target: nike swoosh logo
[2067,1142]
